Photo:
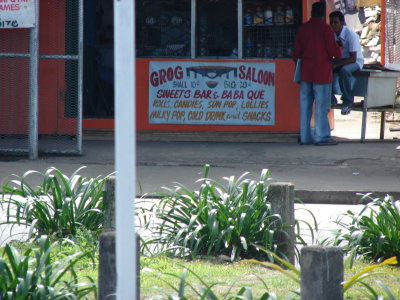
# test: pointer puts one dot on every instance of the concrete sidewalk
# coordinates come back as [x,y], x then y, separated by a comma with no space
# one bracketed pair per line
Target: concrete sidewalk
[328,174]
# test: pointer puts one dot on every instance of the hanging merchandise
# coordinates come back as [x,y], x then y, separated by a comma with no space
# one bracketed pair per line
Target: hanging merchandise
[203,26]
[280,50]
[163,20]
[268,16]
[203,40]
[258,16]
[248,17]
[268,50]
[249,50]
[289,51]
[248,46]
[235,52]
[289,19]
[203,45]
[151,20]
[351,6]
[203,52]
[279,16]
[176,20]
[260,50]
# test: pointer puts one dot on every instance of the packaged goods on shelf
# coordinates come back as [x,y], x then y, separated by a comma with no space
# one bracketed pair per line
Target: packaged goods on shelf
[370,35]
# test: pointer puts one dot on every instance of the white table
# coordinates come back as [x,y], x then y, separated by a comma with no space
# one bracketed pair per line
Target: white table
[378,88]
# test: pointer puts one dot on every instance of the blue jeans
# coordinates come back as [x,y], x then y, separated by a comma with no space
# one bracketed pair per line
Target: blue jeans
[321,94]
[343,83]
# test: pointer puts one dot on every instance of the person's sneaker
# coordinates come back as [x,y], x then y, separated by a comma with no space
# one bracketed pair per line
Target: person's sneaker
[301,143]
[330,142]
[346,109]
[333,103]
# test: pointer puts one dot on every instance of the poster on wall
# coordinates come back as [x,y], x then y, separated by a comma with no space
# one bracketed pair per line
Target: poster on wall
[212,93]
[17,13]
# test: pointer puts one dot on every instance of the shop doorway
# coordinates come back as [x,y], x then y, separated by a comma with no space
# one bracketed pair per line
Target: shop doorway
[98,69]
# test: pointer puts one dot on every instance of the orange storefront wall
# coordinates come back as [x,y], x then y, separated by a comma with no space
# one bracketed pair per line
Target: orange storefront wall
[286,99]
[53,86]
[286,96]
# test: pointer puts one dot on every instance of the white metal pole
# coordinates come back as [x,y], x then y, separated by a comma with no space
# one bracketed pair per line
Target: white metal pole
[80,78]
[240,29]
[125,151]
[193,29]
[34,86]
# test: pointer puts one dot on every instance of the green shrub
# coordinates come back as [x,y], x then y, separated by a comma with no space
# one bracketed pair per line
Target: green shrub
[36,275]
[374,232]
[58,207]
[215,220]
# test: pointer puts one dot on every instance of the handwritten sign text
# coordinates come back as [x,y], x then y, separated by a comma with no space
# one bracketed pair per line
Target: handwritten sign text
[223,93]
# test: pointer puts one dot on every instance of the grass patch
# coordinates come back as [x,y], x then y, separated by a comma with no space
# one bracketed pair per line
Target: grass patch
[161,272]
[359,292]
[155,280]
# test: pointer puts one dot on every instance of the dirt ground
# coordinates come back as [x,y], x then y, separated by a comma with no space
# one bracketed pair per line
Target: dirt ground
[349,127]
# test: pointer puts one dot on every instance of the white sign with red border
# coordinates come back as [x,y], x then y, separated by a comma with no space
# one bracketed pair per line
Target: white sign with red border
[17,13]
[212,93]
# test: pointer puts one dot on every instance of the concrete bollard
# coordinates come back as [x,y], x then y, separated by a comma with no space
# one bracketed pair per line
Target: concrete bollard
[281,196]
[109,202]
[107,280]
[107,267]
[321,273]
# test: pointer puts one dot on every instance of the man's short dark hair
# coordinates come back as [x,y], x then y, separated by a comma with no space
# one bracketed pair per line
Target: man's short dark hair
[337,14]
[318,10]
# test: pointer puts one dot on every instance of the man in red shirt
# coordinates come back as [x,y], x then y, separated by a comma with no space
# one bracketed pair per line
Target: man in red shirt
[315,45]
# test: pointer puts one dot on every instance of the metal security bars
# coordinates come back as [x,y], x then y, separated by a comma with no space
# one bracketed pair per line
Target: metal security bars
[41,75]
[392,32]
[249,29]
[15,92]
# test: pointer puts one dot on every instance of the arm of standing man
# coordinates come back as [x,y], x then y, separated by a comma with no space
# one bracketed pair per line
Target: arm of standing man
[297,48]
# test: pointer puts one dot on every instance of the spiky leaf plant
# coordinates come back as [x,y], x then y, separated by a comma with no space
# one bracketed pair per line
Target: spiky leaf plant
[217,219]
[35,274]
[58,207]
[374,232]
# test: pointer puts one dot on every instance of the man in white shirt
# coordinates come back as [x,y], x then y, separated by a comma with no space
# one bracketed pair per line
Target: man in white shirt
[351,61]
